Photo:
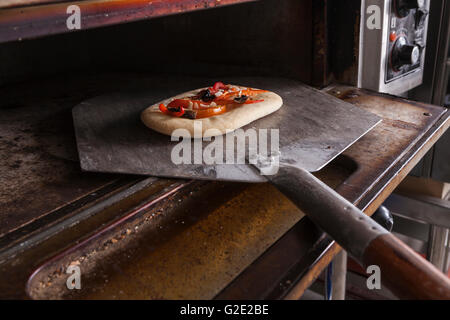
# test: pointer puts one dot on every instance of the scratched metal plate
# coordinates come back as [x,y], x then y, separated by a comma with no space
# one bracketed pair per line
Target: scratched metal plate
[314,128]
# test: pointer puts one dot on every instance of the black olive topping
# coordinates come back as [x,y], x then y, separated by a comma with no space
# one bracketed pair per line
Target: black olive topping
[241,99]
[174,109]
[206,96]
[189,114]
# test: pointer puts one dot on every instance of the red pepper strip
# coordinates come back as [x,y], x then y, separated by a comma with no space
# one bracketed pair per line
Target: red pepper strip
[179,103]
[248,92]
[218,85]
[165,110]
[196,104]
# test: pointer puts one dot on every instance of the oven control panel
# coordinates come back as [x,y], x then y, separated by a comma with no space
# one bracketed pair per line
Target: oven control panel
[406,37]
[392,44]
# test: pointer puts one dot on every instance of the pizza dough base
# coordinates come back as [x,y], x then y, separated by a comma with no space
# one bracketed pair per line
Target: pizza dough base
[153,118]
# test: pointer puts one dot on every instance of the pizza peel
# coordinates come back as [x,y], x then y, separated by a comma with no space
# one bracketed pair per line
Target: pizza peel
[313,128]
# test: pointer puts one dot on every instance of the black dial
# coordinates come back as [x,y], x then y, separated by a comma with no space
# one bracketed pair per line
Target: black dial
[404,54]
[404,7]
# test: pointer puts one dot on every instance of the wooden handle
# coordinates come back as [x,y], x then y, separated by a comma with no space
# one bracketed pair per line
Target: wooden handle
[404,272]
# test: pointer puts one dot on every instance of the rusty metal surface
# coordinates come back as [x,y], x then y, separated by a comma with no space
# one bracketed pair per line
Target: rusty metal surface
[297,255]
[192,227]
[212,237]
[404,124]
[210,248]
[154,196]
[38,158]
[39,20]
[383,158]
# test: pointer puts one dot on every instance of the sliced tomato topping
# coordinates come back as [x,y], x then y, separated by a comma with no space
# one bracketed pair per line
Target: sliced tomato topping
[217,86]
[184,103]
[231,97]
[190,104]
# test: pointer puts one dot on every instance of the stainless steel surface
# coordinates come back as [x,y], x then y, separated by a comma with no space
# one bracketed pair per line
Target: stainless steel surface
[434,88]
[420,208]
[314,128]
[440,164]
[374,71]
[345,223]
[415,244]
[339,275]
[429,210]
[437,247]
[440,81]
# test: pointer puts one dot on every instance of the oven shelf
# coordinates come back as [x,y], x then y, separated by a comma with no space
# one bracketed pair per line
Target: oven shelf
[23,19]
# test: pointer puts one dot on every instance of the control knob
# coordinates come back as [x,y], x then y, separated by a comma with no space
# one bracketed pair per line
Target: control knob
[404,7]
[404,54]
